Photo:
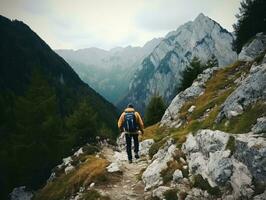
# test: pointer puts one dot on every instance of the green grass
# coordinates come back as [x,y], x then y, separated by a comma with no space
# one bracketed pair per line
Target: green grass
[171,194]
[244,122]
[69,184]
[231,144]
[167,174]
[203,184]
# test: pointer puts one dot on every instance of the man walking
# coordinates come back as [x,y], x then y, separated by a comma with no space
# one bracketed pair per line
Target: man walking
[131,123]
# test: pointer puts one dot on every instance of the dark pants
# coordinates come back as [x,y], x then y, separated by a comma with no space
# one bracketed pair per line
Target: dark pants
[129,144]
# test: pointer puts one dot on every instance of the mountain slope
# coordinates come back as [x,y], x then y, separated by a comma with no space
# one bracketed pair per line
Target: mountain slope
[106,70]
[46,110]
[161,71]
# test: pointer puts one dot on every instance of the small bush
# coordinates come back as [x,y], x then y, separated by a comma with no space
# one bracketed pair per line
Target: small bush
[231,144]
[203,184]
[171,194]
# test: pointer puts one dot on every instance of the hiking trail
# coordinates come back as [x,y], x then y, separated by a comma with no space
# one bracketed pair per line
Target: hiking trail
[128,186]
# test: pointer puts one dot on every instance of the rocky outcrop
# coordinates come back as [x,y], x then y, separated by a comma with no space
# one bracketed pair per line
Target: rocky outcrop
[161,71]
[225,160]
[252,49]
[251,89]
[171,115]
[260,126]
[152,175]
[20,193]
[145,146]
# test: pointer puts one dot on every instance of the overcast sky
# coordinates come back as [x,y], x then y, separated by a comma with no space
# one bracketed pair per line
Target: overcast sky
[74,24]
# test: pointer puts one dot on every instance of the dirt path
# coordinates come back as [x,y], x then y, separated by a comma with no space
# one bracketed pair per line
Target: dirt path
[129,187]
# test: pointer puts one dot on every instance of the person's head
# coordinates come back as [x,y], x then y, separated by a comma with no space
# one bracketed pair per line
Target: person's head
[130,105]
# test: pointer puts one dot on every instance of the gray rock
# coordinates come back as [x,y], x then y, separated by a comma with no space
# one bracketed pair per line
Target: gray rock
[260,196]
[69,169]
[161,71]
[251,151]
[251,89]
[241,181]
[144,147]
[207,155]
[198,194]
[177,176]
[20,193]
[260,126]
[254,48]
[113,167]
[171,115]
[159,192]
[152,175]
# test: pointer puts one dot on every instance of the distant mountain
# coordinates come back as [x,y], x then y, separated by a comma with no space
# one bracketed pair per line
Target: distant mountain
[160,72]
[46,109]
[108,72]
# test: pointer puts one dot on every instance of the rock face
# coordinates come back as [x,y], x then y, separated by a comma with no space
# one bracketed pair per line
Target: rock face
[171,116]
[250,90]
[260,126]
[106,70]
[254,48]
[223,159]
[160,72]
[151,176]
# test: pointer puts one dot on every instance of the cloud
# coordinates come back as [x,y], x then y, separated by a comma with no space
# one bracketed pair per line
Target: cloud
[109,23]
[168,15]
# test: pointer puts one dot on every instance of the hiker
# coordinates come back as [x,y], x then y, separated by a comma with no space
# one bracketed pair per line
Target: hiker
[131,123]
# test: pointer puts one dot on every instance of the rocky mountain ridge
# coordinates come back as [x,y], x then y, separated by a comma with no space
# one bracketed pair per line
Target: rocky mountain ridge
[161,71]
[106,70]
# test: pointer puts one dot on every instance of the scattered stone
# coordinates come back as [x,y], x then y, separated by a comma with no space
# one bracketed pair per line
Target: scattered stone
[159,192]
[92,184]
[177,176]
[113,167]
[191,109]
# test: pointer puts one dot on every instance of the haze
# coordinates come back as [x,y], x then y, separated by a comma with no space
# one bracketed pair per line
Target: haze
[75,24]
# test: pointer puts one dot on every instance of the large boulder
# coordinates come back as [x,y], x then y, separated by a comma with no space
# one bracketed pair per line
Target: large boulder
[254,48]
[145,146]
[224,159]
[152,175]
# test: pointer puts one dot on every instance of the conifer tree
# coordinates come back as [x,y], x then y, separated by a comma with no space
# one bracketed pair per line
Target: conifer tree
[251,20]
[154,110]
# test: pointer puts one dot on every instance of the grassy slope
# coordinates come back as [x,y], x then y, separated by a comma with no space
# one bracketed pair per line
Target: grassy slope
[218,88]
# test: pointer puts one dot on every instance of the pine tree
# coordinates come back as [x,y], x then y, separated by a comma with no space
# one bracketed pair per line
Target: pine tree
[251,20]
[154,110]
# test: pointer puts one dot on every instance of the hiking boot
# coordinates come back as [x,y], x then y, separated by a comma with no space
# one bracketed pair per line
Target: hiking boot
[129,161]
[137,156]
